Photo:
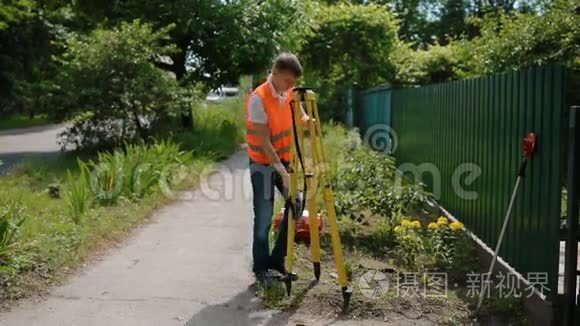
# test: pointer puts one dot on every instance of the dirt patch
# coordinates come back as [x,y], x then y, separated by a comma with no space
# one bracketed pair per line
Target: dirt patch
[383,291]
[375,295]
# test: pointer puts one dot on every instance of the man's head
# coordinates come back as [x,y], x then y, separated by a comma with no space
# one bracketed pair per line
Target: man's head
[285,71]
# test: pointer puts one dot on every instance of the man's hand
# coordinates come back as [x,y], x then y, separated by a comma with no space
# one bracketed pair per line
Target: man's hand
[279,167]
[305,119]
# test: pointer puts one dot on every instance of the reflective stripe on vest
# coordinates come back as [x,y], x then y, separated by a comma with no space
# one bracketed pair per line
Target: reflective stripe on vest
[279,151]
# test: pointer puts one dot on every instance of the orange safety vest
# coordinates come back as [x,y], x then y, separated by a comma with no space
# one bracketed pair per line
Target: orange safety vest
[279,123]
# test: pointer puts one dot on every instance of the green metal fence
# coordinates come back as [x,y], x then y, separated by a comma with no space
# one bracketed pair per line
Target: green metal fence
[375,105]
[471,127]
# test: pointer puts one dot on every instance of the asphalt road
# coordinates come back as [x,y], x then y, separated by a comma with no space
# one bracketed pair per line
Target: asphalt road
[17,145]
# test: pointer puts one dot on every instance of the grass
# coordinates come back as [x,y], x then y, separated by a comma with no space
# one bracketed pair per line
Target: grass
[21,121]
[65,223]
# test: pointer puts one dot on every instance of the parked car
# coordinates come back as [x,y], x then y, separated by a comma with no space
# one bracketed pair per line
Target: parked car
[222,93]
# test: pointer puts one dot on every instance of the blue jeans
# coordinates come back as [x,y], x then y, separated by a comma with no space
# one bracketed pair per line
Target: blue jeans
[264,179]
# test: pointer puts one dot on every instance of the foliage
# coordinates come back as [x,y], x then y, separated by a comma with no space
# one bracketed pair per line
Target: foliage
[206,30]
[411,244]
[78,196]
[13,11]
[351,43]
[28,35]
[452,21]
[363,178]
[413,16]
[135,171]
[20,121]
[366,178]
[11,219]
[441,246]
[518,40]
[218,131]
[493,41]
[110,86]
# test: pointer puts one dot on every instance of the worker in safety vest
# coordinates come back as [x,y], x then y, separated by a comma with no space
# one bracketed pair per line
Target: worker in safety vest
[269,132]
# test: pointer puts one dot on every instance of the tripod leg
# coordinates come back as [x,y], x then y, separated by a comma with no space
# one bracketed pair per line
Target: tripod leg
[312,185]
[292,195]
[336,247]
[314,232]
[291,234]
[332,221]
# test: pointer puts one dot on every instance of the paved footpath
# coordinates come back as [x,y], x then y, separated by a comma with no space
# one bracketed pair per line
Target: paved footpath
[189,266]
[17,145]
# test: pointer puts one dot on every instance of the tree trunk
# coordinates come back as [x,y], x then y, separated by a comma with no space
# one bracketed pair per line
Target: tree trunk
[179,71]
[140,129]
[177,67]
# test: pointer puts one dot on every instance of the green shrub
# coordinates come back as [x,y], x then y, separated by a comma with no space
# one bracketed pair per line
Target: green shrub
[510,41]
[11,218]
[366,178]
[135,171]
[218,130]
[351,43]
[110,87]
[366,181]
[440,245]
[434,65]
[78,196]
[106,176]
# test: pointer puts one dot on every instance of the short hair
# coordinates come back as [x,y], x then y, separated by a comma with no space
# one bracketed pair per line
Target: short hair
[286,61]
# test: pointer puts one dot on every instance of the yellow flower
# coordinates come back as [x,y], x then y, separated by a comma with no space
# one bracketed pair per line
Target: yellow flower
[416,224]
[407,237]
[398,229]
[406,223]
[456,225]
[433,226]
[442,220]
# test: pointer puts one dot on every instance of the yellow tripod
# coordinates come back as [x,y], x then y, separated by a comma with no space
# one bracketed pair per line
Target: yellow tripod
[316,175]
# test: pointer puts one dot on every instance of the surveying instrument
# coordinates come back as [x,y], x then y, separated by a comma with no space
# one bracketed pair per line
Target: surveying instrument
[315,177]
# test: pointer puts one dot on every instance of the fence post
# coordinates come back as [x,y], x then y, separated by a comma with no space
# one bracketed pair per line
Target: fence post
[570,275]
[350,106]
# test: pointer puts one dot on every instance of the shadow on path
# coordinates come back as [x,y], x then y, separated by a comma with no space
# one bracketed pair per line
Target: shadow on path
[244,309]
[11,160]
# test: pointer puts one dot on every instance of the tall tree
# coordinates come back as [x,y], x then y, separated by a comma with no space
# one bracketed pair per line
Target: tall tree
[218,40]
[28,29]
[351,44]
[416,19]
[452,21]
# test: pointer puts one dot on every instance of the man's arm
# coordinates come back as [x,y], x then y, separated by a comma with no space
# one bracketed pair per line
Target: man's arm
[264,135]
[260,121]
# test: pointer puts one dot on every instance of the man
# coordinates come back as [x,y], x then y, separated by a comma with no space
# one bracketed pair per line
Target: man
[269,132]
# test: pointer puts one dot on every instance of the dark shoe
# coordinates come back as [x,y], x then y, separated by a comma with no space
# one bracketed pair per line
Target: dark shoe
[260,277]
[280,268]
[283,273]
[265,279]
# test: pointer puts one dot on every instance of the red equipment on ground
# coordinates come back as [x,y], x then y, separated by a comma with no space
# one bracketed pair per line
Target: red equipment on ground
[302,226]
